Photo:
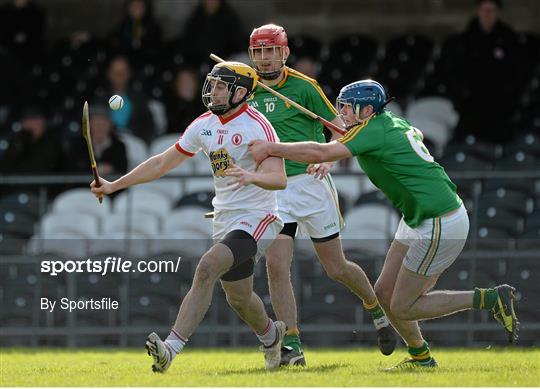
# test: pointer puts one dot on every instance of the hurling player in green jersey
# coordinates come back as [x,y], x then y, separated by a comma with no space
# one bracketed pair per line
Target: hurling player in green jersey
[310,199]
[434,226]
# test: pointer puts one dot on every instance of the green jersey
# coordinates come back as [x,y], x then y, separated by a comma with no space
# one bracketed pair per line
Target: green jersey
[290,124]
[392,154]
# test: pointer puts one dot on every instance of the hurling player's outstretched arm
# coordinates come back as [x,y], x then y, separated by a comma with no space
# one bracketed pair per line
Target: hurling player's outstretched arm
[310,152]
[149,170]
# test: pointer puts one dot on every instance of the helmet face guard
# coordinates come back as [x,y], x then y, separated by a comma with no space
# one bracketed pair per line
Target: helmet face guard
[277,53]
[268,41]
[217,94]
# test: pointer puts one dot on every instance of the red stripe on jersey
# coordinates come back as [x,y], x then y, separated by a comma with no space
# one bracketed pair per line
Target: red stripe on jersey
[263,226]
[179,148]
[266,128]
[264,123]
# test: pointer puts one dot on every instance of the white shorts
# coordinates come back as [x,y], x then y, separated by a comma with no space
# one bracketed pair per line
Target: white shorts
[435,244]
[264,227]
[312,203]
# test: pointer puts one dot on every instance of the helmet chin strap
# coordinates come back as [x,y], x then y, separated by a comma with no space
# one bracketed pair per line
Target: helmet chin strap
[270,75]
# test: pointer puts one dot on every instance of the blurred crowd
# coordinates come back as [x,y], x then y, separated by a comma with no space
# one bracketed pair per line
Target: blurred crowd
[490,73]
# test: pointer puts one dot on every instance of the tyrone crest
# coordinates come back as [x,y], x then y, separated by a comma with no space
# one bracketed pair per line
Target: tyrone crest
[236,139]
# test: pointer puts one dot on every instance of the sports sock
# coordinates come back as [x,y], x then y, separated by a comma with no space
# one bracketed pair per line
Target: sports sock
[268,336]
[377,314]
[292,339]
[485,298]
[420,354]
[175,343]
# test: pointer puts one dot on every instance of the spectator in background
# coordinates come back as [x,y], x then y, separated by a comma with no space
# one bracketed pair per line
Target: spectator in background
[134,116]
[485,75]
[183,102]
[22,28]
[307,66]
[138,33]
[213,27]
[109,150]
[33,150]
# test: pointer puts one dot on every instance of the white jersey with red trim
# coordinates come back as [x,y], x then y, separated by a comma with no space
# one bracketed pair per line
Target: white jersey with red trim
[224,141]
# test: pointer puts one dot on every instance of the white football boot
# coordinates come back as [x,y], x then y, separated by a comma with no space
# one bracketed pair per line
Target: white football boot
[158,350]
[272,353]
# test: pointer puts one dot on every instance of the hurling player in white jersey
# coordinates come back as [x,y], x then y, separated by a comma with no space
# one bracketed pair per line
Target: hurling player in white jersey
[245,207]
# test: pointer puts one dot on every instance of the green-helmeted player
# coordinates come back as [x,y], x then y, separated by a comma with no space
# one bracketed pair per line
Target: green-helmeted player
[310,199]
[434,226]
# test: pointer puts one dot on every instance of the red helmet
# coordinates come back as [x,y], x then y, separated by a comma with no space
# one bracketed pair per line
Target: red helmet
[268,37]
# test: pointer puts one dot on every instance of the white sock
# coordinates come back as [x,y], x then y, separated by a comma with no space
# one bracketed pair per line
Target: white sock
[268,337]
[381,322]
[175,343]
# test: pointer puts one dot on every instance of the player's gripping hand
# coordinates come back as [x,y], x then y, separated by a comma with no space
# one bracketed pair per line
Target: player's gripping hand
[320,170]
[105,188]
[259,150]
[243,177]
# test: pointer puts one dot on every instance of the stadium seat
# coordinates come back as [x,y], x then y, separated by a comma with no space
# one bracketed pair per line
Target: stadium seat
[348,186]
[438,109]
[188,218]
[16,224]
[434,131]
[170,188]
[518,159]
[120,244]
[201,164]
[22,202]
[511,200]
[373,197]
[92,285]
[182,242]
[395,108]
[75,222]
[136,149]
[486,151]
[494,217]
[202,199]
[198,184]
[379,217]
[125,224]
[359,241]
[11,244]
[530,239]
[66,244]
[152,203]
[169,286]
[460,161]
[163,143]
[81,200]
[494,239]
[514,184]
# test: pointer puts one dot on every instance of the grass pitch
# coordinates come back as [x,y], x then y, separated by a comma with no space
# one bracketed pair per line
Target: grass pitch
[362,367]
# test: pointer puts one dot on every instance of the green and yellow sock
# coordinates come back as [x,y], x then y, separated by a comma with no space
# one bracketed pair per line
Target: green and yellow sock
[485,298]
[420,354]
[292,339]
[377,314]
